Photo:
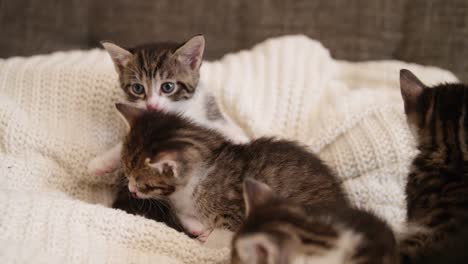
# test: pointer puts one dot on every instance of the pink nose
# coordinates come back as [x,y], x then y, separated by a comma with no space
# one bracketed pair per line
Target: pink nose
[134,195]
[152,106]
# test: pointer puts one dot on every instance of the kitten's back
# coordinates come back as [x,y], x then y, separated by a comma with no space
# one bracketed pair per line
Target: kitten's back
[437,186]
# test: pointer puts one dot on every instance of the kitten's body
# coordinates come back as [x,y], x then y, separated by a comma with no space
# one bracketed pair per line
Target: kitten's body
[437,188]
[201,173]
[279,231]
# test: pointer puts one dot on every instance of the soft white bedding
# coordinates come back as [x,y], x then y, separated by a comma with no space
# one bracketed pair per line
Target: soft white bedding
[56,113]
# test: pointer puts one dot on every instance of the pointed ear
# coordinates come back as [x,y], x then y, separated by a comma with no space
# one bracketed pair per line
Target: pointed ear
[129,113]
[165,163]
[259,247]
[255,194]
[191,53]
[119,56]
[411,90]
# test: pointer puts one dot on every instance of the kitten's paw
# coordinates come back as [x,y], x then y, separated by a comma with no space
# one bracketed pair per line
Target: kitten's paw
[203,237]
[192,225]
[219,238]
[98,167]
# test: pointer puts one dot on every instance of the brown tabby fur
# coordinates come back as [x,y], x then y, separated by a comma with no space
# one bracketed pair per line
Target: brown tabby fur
[220,167]
[290,229]
[437,188]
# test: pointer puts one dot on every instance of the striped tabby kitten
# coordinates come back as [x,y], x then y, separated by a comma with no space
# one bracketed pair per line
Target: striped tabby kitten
[279,231]
[437,188]
[200,173]
[165,76]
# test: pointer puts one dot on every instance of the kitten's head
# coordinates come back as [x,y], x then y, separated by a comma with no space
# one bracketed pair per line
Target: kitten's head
[152,76]
[438,115]
[267,234]
[162,151]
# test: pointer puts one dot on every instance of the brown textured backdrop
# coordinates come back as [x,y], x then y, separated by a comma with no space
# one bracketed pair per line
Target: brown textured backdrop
[432,32]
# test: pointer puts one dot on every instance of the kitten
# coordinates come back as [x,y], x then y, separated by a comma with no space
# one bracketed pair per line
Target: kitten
[279,231]
[437,187]
[165,76]
[200,173]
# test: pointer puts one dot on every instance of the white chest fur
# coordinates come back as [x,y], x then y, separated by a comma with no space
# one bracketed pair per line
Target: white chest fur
[184,204]
[195,108]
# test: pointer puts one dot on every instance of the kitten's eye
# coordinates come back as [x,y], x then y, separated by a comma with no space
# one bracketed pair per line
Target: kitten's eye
[167,87]
[138,89]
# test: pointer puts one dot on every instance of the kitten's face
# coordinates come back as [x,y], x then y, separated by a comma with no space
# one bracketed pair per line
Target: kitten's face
[437,115]
[160,152]
[156,76]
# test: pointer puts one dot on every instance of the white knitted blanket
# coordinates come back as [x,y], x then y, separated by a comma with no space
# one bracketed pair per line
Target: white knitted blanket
[56,113]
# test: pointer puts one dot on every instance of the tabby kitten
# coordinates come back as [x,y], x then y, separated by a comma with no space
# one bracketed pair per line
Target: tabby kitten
[165,76]
[200,173]
[279,231]
[437,188]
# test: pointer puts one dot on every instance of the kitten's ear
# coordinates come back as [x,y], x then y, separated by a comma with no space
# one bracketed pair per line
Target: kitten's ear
[191,53]
[259,247]
[165,162]
[255,194]
[119,55]
[411,90]
[129,113]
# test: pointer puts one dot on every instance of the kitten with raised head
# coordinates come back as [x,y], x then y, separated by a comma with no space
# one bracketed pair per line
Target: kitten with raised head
[200,173]
[277,230]
[165,76]
[437,187]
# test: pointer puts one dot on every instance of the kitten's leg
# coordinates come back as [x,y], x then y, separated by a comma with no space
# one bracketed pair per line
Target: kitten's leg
[107,162]
[232,131]
[219,238]
[203,237]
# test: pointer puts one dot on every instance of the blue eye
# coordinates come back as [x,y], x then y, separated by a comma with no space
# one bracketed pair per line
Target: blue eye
[138,89]
[167,87]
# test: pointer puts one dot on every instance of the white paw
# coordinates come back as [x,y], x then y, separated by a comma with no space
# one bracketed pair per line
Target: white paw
[99,167]
[203,237]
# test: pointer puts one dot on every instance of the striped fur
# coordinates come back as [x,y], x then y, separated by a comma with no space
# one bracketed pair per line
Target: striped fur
[279,231]
[437,188]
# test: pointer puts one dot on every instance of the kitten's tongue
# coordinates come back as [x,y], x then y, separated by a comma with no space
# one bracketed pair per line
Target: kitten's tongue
[134,195]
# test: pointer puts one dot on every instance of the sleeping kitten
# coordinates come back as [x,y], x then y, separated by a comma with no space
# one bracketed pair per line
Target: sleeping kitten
[165,76]
[437,188]
[279,231]
[200,173]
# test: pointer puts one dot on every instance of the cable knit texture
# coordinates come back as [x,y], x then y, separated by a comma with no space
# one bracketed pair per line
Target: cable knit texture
[57,112]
